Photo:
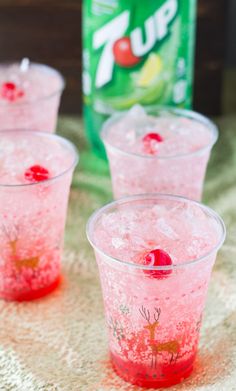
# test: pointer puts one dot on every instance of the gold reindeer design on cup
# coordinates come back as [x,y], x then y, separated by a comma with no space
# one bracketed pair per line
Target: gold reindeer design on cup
[171,347]
[12,236]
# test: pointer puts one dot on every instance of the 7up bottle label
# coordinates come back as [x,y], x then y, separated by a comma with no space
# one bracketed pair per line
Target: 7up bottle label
[135,52]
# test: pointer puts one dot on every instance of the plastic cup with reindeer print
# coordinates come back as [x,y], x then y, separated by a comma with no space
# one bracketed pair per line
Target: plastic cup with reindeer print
[35,176]
[155,254]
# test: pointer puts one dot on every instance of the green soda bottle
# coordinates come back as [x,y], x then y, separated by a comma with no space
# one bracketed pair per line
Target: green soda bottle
[135,52]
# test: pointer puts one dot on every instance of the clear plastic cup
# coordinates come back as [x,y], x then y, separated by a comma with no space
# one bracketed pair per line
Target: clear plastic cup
[173,173]
[29,99]
[35,177]
[154,313]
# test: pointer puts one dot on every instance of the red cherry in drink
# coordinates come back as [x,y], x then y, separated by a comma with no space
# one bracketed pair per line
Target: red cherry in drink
[10,92]
[123,54]
[9,86]
[36,173]
[150,141]
[158,257]
[152,137]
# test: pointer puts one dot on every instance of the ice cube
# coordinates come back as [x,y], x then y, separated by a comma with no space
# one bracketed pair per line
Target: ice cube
[109,221]
[6,147]
[130,136]
[137,111]
[159,210]
[138,242]
[166,229]
[118,243]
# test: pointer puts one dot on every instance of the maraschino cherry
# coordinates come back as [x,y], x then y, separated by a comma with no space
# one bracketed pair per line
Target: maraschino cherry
[9,91]
[158,257]
[36,173]
[150,142]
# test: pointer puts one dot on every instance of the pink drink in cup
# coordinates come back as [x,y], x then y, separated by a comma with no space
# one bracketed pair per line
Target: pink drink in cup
[35,177]
[155,255]
[158,150]
[29,96]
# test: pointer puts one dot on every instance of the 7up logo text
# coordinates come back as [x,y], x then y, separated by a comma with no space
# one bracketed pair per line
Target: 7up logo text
[127,51]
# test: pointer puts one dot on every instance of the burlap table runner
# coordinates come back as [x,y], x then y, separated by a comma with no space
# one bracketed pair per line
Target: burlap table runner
[59,342]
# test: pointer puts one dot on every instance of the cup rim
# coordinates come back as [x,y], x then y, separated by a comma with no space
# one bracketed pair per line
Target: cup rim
[62,140]
[172,110]
[148,197]
[47,68]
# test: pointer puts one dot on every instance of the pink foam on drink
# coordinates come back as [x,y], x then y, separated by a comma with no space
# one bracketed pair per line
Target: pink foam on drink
[173,162]
[35,99]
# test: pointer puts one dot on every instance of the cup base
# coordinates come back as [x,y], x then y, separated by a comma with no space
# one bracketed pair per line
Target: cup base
[31,295]
[131,373]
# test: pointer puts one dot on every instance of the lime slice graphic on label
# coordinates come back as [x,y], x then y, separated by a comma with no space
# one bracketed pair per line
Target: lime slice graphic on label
[143,96]
[150,70]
